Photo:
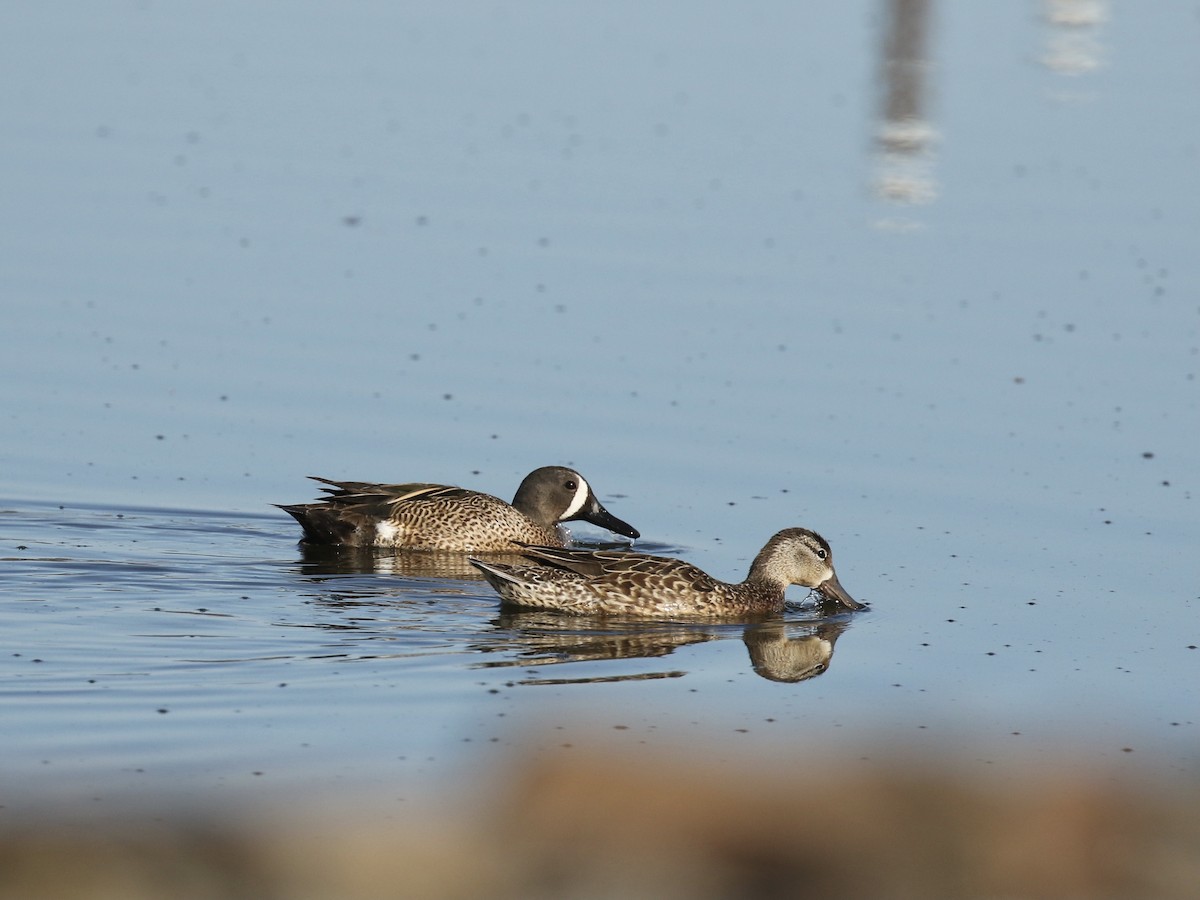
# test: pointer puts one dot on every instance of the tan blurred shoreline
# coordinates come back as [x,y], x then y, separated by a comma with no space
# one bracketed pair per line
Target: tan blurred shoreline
[593,824]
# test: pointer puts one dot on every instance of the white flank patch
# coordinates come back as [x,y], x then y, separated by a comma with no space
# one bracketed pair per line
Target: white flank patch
[386,533]
[581,495]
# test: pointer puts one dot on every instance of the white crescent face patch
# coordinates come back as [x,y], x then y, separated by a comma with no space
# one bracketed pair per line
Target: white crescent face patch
[581,494]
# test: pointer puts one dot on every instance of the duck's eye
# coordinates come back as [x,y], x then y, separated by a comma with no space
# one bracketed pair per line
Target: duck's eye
[571,485]
[821,554]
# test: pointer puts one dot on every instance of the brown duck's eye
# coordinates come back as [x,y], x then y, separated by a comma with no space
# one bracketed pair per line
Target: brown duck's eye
[571,485]
[821,554]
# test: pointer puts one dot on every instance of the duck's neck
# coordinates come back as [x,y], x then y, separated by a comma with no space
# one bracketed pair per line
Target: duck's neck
[758,595]
[762,589]
[763,575]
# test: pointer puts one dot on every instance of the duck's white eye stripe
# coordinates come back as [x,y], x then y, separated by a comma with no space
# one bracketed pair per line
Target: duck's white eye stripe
[581,494]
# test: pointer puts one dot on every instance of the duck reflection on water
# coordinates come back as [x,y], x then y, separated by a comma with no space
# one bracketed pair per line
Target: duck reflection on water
[318,561]
[780,649]
[778,657]
[327,559]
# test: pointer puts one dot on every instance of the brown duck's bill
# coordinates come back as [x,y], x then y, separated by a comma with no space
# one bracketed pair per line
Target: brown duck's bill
[831,589]
[596,514]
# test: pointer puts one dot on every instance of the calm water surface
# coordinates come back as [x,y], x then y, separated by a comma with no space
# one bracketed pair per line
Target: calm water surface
[927,285]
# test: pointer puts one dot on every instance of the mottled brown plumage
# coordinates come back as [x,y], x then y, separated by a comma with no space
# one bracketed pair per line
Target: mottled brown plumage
[625,583]
[441,517]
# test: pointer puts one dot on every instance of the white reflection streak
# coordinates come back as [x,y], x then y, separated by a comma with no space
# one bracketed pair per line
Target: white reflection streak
[905,139]
[1073,45]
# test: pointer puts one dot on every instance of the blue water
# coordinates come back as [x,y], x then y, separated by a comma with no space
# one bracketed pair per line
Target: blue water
[250,244]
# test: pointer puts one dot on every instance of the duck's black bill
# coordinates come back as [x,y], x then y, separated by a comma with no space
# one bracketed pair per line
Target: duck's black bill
[831,589]
[598,515]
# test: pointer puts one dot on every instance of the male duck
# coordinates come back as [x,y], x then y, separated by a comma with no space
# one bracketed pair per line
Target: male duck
[441,517]
[625,583]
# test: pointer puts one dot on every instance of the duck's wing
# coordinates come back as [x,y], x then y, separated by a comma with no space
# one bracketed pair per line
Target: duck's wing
[368,492]
[616,566]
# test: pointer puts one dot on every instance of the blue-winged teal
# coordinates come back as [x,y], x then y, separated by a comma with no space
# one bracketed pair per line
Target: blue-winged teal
[440,517]
[625,583]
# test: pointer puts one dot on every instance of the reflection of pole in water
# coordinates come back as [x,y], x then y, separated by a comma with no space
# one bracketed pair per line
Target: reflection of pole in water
[904,140]
[1073,45]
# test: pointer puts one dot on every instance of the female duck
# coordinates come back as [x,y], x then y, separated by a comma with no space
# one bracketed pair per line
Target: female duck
[624,583]
[441,517]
